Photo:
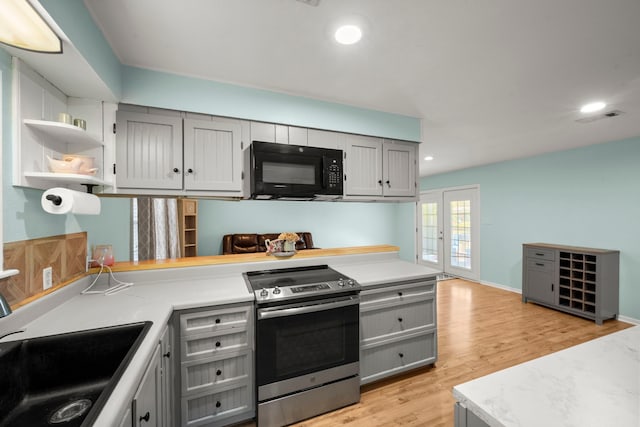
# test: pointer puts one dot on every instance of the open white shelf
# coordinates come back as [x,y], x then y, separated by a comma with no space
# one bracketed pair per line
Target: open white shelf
[68,178]
[64,132]
[8,273]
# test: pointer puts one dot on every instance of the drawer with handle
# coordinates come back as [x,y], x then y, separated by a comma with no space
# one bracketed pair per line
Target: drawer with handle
[540,253]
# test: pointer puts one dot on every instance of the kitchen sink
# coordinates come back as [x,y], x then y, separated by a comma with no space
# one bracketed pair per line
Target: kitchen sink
[64,380]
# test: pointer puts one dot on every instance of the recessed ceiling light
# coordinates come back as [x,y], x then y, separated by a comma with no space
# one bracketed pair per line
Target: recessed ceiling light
[593,106]
[348,34]
[428,158]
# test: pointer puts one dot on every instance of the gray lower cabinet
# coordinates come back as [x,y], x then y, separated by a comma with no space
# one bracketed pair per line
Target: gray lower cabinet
[151,406]
[465,418]
[398,329]
[216,365]
[577,280]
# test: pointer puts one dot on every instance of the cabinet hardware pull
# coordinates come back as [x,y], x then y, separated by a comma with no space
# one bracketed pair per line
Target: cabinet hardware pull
[146,417]
[176,170]
[167,354]
[399,319]
[218,344]
[189,171]
[539,264]
[380,181]
[401,355]
[218,404]
[399,294]
[217,321]
[539,254]
[388,183]
[218,372]
[552,287]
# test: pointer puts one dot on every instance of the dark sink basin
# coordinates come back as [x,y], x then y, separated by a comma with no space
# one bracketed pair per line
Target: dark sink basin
[64,380]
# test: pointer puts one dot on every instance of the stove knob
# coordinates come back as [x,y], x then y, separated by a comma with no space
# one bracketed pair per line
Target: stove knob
[276,290]
[264,293]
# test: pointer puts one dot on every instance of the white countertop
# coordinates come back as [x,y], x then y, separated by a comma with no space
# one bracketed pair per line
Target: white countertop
[157,293]
[596,384]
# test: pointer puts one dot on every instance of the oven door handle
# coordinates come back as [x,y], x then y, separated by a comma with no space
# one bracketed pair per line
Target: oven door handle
[303,309]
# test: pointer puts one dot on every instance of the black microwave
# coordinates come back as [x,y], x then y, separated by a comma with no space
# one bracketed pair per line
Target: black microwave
[294,172]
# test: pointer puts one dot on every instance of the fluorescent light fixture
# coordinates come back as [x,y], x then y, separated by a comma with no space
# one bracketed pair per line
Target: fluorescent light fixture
[428,158]
[21,26]
[348,34]
[592,107]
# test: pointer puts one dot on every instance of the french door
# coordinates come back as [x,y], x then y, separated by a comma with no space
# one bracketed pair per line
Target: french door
[448,231]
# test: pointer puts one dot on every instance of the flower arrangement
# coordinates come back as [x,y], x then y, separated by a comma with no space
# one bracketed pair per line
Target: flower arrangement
[289,237]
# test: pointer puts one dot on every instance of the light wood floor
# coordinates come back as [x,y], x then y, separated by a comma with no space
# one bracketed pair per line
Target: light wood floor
[480,330]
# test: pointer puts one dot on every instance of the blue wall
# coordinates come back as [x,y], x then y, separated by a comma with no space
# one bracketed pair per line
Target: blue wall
[582,197]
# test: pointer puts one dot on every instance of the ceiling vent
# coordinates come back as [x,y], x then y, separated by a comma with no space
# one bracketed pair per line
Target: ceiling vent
[310,2]
[607,115]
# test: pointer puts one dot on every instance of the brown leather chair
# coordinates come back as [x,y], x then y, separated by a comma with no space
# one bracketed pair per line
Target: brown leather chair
[245,243]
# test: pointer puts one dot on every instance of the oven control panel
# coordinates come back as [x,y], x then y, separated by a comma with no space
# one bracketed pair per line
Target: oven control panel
[286,292]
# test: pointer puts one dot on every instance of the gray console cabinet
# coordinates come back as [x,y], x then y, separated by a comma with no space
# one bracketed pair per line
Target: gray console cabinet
[398,328]
[216,365]
[577,280]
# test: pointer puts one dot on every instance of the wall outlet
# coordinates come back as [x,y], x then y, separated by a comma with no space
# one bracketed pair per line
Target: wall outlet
[47,278]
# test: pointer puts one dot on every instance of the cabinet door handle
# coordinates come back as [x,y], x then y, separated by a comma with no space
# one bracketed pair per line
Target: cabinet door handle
[552,287]
[539,264]
[380,181]
[146,417]
[399,319]
[189,171]
[217,321]
[539,254]
[399,294]
[218,344]
[218,404]
[167,354]
[176,170]
[218,372]
[401,355]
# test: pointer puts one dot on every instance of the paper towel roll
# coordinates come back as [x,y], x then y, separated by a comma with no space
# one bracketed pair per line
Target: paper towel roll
[63,200]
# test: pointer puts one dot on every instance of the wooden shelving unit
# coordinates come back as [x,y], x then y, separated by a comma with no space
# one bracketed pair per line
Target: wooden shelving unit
[188,217]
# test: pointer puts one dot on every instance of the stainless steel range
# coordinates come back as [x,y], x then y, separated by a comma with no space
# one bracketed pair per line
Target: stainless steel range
[307,342]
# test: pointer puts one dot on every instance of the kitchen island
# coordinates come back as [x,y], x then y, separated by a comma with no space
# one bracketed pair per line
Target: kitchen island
[181,285]
[596,384]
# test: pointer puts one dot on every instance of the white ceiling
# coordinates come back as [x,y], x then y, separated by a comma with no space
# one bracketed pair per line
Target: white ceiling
[492,80]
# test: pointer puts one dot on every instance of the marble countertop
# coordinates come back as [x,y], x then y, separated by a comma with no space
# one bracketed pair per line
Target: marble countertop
[594,384]
[155,294]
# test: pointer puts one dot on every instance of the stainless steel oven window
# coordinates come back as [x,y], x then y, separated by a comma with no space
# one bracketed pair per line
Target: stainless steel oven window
[299,344]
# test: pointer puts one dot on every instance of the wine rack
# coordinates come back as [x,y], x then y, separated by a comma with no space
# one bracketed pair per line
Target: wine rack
[581,281]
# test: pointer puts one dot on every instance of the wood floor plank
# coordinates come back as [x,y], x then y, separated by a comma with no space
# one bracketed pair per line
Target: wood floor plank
[480,330]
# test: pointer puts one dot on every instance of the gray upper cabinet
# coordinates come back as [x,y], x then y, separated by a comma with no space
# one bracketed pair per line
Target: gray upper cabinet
[325,139]
[148,151]
[377,167]
[212,156]
[269,132]
[399,168]
[363,166]
[297,135]
[154,156]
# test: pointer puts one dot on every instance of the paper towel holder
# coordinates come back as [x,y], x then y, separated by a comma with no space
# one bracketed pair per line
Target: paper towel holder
[56,200]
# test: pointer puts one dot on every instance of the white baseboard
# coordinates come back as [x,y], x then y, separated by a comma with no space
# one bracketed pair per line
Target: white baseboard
[503,287]
[629,320]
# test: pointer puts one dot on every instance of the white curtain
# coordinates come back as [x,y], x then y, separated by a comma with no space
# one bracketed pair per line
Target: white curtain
[155,233]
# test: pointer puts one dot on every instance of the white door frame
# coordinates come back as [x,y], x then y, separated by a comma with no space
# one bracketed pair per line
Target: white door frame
[473,273]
